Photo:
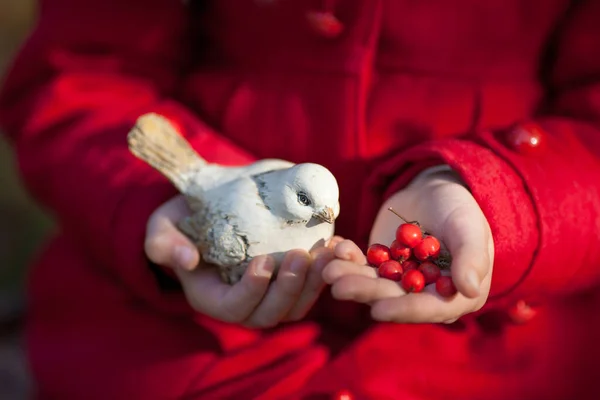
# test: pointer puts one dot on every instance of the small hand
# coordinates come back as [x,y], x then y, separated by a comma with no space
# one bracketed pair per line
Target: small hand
[255,301]
[447,209]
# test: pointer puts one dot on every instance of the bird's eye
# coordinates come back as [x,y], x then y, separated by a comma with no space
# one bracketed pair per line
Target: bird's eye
[303,199]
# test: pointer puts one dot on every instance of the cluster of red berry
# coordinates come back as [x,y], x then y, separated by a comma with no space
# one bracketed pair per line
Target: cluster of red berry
[415,259]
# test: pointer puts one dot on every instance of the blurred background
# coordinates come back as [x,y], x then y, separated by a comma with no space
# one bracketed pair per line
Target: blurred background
[22,224]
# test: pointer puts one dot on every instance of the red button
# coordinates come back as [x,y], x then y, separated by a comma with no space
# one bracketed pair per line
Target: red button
[526,139]
[521,313]
[325,23]
[343,394]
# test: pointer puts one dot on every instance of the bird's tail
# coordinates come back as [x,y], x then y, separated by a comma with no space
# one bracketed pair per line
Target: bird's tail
[155,140]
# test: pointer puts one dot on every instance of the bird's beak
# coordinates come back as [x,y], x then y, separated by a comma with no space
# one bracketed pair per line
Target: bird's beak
[325,214]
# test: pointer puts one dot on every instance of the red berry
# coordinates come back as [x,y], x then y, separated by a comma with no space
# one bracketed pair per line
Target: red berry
[429,247]
[430,271]
[413,281]
[409,235]
[399,251]
[390,269]
[445,287]
[377,253]
[409,264]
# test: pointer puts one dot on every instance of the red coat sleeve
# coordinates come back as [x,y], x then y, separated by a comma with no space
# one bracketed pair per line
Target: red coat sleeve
[87,71]
[543,205]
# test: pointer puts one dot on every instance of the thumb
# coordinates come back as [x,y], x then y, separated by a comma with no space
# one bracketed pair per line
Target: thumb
[468,245]
[165,244]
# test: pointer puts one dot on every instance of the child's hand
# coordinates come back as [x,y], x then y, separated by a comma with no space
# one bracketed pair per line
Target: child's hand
[253,301]
[446,209]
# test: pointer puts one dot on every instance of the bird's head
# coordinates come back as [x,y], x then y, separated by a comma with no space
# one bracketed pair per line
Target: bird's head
[310,191]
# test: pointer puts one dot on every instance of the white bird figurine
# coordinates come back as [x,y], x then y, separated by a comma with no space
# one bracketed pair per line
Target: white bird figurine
[268,207]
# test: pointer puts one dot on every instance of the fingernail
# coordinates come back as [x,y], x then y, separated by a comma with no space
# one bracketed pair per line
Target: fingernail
[334,241]
[265,267]
[473,280]
[184,256]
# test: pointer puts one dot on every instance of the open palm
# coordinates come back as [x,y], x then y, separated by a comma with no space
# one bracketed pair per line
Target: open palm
[446,208]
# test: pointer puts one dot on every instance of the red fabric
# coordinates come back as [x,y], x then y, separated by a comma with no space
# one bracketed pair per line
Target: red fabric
[404,86]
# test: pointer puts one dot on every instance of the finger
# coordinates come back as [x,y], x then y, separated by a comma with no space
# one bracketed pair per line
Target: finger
[364,289]
[208,294]
[167,245]
[469,247]
[175,209]
[348,250]
[334,241]
[424,307]
[284,292]
[339,268]
[313,286]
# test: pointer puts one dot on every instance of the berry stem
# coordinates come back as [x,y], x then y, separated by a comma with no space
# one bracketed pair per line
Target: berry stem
[402,218]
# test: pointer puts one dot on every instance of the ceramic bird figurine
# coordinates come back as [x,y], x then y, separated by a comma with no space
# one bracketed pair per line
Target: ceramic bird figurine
[237,213]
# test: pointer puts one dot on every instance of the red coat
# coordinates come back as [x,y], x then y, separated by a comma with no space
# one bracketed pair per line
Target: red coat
[405,85]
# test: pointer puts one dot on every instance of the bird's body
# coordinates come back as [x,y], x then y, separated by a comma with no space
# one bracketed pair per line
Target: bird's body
[268,207]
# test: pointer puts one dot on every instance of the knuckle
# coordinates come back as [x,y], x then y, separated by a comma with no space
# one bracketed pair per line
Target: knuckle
[362,296]
[478,306]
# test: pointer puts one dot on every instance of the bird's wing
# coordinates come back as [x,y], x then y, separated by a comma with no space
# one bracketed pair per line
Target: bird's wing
[211,176]
[268,164]
[216,237]
[225,222]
